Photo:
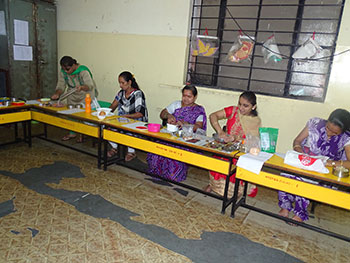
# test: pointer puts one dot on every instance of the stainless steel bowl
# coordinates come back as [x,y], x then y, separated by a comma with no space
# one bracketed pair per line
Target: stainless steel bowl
[340,171]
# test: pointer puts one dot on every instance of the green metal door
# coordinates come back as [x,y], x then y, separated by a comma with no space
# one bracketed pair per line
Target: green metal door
[36,78]
[22,73]
[46,49]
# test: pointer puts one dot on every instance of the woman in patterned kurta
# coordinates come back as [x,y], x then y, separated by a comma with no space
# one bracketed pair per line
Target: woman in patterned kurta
[329,138]
[130,102]
[181,112]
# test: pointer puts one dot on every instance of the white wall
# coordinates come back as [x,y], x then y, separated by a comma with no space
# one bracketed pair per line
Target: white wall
[149,38]
[140,17]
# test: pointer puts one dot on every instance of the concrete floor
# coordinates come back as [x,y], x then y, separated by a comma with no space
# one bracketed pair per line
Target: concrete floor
[65,234]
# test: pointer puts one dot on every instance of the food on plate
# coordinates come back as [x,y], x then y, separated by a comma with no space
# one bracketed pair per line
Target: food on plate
[102,113]
[58,105]
[227,147]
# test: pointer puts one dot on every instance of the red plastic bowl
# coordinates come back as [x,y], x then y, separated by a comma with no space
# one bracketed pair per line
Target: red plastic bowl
[17,103]
[153,127]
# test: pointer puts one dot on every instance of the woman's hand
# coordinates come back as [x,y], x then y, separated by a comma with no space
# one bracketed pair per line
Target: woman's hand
[337,163]
[179,124]
[82,88]
[55,96]
[298,148]
[330,162]
[224,136]
[171,119]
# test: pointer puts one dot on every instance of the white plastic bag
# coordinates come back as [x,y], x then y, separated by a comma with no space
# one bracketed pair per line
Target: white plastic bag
[307,50]
[307,162]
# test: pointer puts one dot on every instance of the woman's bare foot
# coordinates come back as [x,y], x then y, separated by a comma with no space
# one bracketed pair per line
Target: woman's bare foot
[297,218]
[80,138]
[130,156]
[283,212]
[207,188]
[112,152]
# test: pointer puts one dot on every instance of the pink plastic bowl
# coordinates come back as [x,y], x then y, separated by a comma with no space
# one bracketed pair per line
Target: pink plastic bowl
[153,127]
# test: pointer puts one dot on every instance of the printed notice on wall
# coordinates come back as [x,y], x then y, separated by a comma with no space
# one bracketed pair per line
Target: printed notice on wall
[24,53]
[21,29]
[2,23]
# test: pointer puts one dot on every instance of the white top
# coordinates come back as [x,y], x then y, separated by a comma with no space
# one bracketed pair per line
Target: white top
[177,105]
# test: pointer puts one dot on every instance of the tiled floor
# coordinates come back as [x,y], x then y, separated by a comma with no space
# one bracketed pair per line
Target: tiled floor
[67,235]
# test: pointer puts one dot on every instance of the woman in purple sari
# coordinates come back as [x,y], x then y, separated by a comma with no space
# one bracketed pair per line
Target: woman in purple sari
[329,138]
[179,113]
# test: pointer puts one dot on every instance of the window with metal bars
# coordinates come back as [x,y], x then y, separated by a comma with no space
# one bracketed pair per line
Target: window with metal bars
[292,22]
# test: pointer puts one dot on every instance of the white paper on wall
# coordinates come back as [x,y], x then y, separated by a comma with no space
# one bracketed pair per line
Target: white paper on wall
[21,29]
[2,23]
[24,53]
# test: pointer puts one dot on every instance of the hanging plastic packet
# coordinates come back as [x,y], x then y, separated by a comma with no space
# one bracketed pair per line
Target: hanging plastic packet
[307,50]
[270,50]
[268,139]
[241,49]
[206,46]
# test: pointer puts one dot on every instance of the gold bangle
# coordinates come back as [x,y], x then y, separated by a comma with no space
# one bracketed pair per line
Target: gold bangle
[295,146]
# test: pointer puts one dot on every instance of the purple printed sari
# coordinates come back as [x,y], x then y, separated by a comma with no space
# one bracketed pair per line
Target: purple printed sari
[169,168]
[317,143]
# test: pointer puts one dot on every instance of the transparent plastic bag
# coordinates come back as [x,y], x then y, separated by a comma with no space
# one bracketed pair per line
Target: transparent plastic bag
[206,46]
[241,49]
[270,50]
[252,144]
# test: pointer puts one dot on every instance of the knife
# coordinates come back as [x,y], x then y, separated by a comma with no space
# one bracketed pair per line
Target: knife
[62,97]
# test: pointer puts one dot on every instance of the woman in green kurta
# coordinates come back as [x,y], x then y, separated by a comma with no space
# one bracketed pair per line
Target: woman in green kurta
[74,76]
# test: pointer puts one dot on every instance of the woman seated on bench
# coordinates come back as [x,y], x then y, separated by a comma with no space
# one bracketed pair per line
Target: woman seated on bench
[241,120]
[130,102]
[329,138]
[180,112]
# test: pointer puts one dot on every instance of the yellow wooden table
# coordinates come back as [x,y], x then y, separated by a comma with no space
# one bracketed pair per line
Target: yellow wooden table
[113,129]
[119,132]
[80,122]
[270,177]
[14,115]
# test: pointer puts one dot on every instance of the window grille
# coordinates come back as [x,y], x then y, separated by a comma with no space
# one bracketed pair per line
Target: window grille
[292,22]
